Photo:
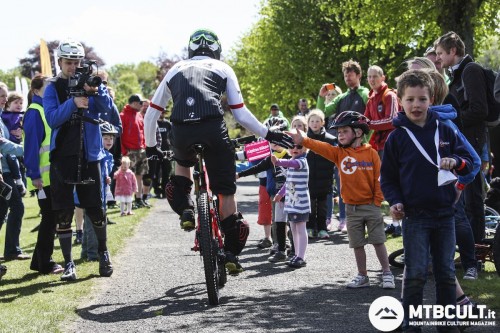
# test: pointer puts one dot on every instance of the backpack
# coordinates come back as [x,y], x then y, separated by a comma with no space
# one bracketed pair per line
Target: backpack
[493,117]
[400,108]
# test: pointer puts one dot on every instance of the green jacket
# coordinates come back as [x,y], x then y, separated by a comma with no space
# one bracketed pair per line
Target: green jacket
[331,108]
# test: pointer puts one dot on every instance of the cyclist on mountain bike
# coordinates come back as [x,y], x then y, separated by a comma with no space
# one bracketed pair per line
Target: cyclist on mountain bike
[196,86]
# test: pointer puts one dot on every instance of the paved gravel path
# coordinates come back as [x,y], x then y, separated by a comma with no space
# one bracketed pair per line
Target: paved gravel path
[158,285]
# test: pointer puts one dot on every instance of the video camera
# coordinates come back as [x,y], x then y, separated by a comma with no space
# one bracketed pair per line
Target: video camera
[84,75]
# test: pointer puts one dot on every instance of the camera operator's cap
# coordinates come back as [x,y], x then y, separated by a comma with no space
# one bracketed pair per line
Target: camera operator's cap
[430,50]
[275,106]
[135,98]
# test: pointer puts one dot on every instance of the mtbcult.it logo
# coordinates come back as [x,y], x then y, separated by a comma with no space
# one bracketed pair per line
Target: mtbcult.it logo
[386,314]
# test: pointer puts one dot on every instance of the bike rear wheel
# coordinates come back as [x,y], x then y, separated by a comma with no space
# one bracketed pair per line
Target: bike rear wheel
[396,258]
[208,249]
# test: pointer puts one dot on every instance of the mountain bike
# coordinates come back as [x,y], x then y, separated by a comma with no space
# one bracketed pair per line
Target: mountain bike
[208,236]
[488,250]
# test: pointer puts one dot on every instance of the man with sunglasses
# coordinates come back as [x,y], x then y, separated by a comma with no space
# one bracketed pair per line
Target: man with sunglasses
[63,112]
[196,86]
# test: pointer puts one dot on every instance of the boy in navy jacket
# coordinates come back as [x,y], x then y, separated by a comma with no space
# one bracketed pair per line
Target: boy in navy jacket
[411,180]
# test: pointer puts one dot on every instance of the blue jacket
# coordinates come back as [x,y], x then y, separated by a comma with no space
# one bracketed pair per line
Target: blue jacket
[33,122]
[407,177]
[57,114]
[446,114]
[8,147]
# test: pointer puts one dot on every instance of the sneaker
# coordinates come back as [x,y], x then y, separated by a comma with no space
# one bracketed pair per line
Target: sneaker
[297,262]
[57,269]
[290,256]
[470,274]
[397,231]
[79,237]
[123,214]
[187,219]
[69,272]
[310,234]
[109,221]
[105,266]
[390,229]
[232,264]
[146,203]
[322,234]
[278,257]
[388,281]
[273,249]
[341,225]
[360,281]
[328,224]
[3,271]
[264,243]
[344,229]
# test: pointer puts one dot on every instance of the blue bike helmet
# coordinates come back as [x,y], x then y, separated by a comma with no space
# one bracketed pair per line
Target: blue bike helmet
[204,42]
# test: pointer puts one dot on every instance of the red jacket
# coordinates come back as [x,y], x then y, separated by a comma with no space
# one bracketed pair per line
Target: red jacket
[381,114]
[133,130]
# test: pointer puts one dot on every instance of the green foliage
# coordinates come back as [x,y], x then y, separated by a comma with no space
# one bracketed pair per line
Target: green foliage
[124,78]
[298,45]
[9,77]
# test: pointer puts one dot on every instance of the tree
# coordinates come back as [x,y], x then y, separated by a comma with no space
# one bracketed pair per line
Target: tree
[9,77]
[297,45]
[30,65]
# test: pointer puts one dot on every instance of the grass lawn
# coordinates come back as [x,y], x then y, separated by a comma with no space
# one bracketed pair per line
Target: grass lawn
[31,302]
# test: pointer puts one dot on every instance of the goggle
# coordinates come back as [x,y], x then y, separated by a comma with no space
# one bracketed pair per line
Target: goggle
[209,38]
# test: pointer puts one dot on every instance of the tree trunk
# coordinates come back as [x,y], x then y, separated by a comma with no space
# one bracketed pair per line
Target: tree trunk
[458,16]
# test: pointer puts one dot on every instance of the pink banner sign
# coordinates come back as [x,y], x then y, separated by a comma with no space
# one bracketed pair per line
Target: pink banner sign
[257,150]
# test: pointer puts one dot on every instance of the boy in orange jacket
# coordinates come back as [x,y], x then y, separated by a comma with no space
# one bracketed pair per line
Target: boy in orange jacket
[359,167]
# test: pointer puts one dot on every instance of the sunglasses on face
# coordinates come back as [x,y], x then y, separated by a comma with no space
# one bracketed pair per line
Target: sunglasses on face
[297,147]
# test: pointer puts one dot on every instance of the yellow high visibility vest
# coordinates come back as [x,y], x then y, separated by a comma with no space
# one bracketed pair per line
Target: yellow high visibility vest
[44,150]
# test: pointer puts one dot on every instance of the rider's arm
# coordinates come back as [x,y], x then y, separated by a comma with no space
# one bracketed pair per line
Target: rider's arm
[158,103]
[238,108]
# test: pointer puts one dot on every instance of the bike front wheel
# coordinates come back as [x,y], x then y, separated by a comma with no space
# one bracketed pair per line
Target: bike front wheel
[208,249]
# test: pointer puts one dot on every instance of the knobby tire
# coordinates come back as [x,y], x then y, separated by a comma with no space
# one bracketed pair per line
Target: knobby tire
[208,250]
[395,258]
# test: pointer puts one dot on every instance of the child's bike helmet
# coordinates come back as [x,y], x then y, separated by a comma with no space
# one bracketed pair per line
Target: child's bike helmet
[107,128]
[352,119]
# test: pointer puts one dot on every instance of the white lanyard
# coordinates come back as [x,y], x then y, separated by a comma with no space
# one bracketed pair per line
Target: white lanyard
[419,146]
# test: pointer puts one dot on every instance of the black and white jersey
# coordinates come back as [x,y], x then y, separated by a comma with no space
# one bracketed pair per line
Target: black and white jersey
[196,86]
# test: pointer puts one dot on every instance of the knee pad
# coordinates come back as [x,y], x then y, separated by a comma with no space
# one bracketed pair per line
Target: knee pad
[146,180]
[64,218]
[96,216]
[236,231]
[178,192]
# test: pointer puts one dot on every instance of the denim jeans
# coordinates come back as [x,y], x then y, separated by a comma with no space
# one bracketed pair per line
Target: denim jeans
[15,209]
[424,232]
[474,207]
[89,241]
[465,238]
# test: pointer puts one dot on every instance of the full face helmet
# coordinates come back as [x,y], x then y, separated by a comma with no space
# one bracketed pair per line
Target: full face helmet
[107,128]
[70,49]
[204,42]
[352,119]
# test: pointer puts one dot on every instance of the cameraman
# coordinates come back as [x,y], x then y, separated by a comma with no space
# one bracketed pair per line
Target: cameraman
[64,108]
[196,86]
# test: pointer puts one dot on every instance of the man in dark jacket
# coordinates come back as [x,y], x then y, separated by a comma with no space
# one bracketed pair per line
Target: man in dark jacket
[468,85]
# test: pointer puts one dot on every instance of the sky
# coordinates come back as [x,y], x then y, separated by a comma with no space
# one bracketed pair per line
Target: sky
[121,31]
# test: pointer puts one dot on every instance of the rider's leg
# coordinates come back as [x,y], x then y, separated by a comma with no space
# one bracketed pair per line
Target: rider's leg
[178,191]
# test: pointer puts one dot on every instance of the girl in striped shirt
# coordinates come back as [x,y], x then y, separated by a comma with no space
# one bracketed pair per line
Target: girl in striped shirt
[297,201]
